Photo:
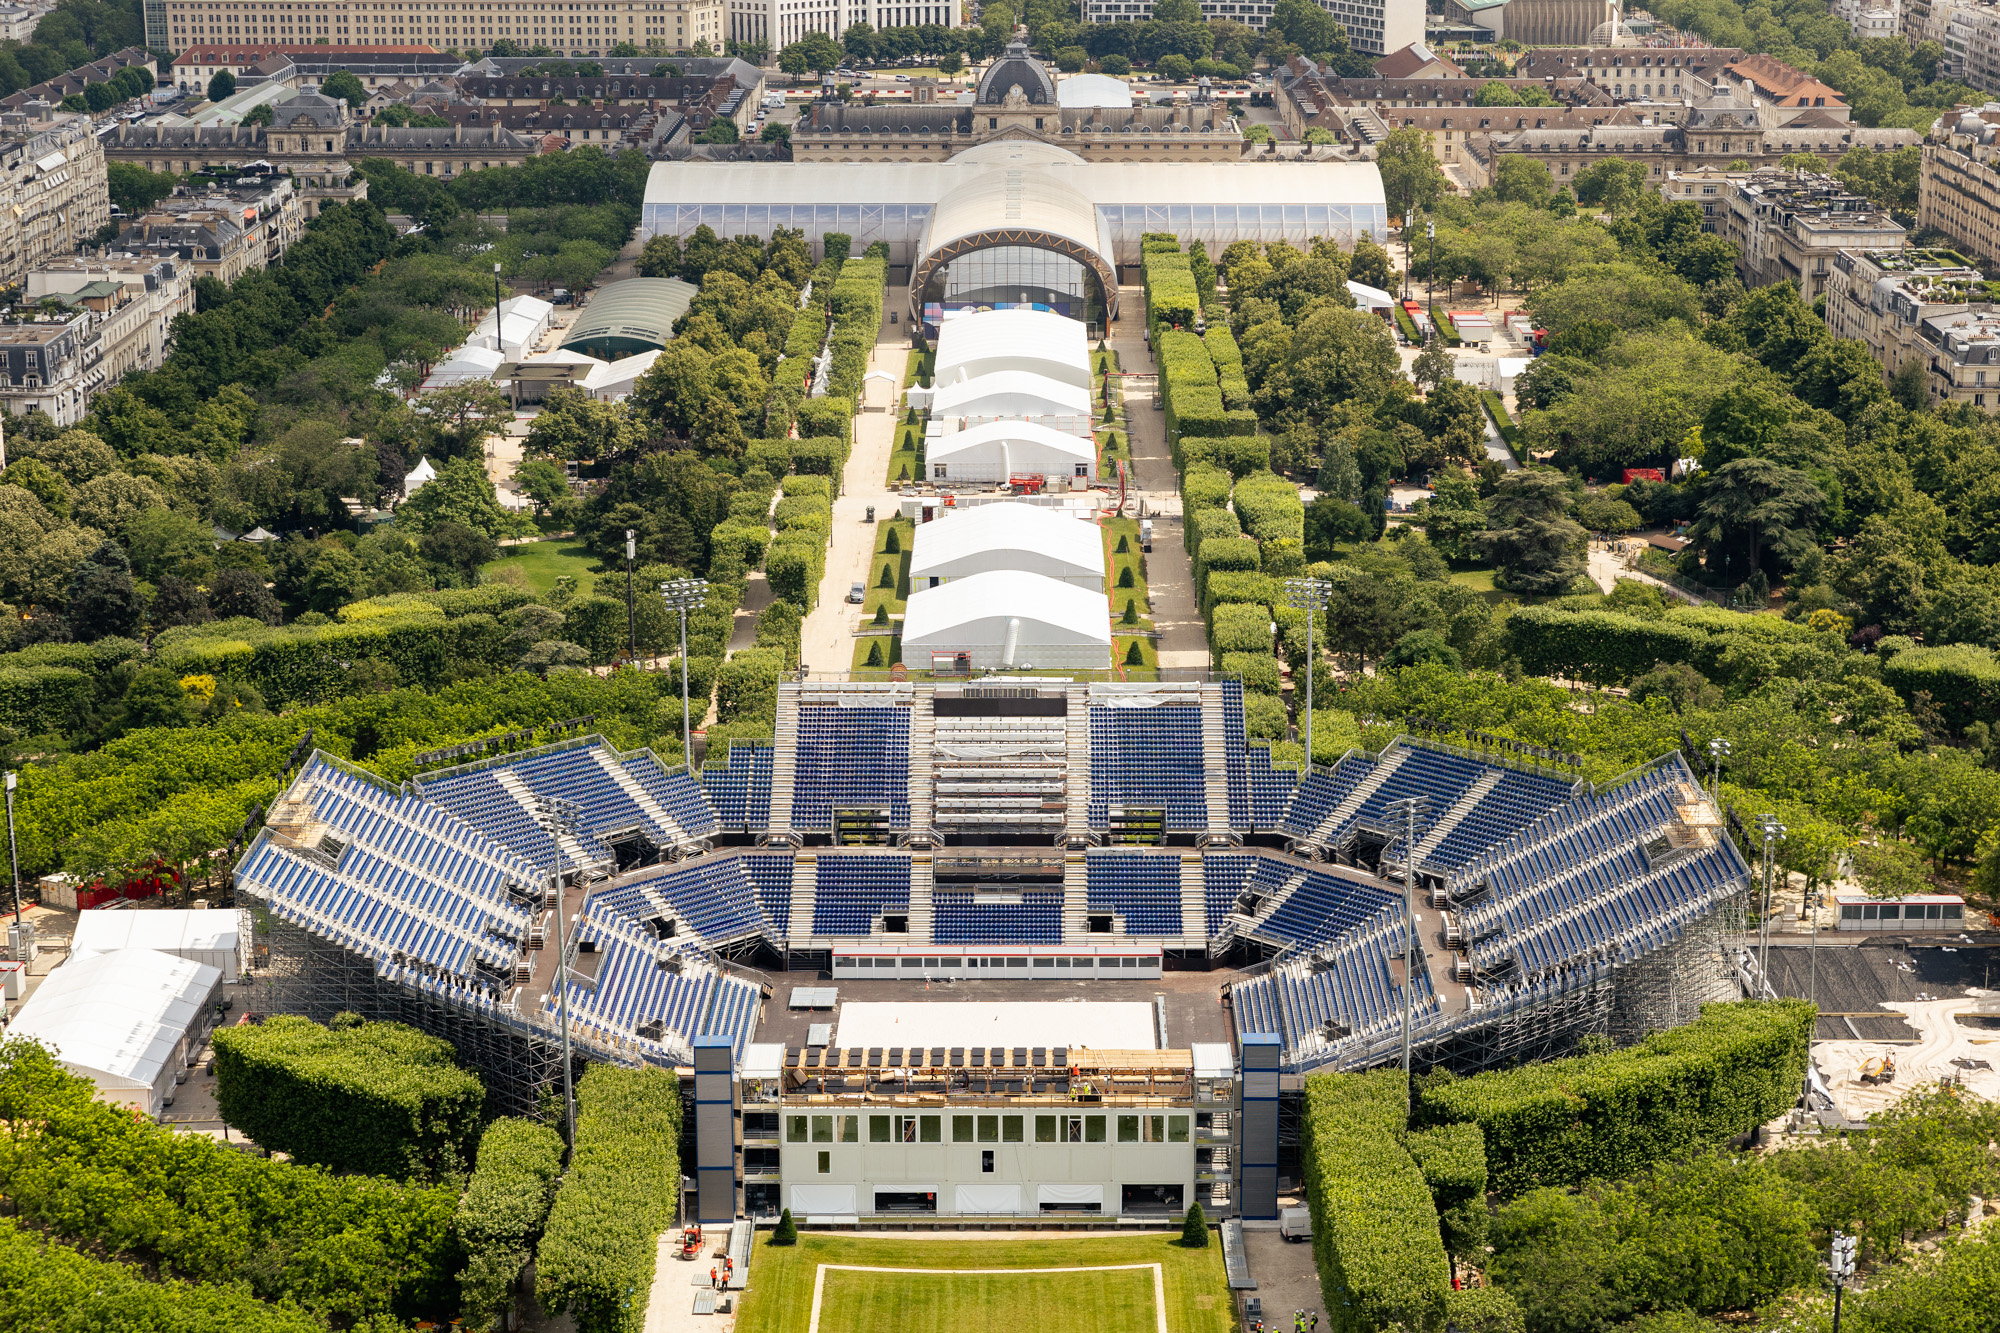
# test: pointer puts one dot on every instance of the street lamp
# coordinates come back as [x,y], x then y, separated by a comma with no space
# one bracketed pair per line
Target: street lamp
[1718,750]
[1840,1268]
[1774,832]
[631,634]
[13,853]
[558,817]
[1311,597]
[685,595]
[1430,276]
[1409,807]
[498,345]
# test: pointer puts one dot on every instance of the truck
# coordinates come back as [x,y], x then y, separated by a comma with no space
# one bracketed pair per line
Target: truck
[1295,1224]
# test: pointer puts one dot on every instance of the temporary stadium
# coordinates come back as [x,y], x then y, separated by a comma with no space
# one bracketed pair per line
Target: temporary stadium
[1030,824]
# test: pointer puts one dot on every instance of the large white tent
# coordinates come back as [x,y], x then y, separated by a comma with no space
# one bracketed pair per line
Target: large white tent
[213,936]
[1013,395]
[996,450]
[523,320]
[1007,618]
[984,341]
[127,1021]
[1021,537]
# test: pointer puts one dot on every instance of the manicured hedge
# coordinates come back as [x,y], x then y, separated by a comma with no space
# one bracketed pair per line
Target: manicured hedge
[1228,553]
[93,658]
[1225,586]
[1485,1310]
[1259,671]
[492,599]
[1172,298]
[1284,557]
[1510,434]
[300,663]
[1241,454]
[1563,1122]
[1607,648]
[1228,358]
[596,1258]
[1962,679]
[37,699]
[381,1099]
[1203,526]
[1375,1229]
[1204,486]
[1270,507]
[747,685]
[1240,628]
[1453,1160]
[501,1213]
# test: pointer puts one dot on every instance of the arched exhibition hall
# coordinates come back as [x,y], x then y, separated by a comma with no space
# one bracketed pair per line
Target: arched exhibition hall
[1018,221]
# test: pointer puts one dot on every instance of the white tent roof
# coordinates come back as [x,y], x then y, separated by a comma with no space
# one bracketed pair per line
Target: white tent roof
[108,932]
[419,474]
[937,615]
[1093,90]
[465,363]
[944,448]
[1040,341]
[1010,393]
[1044,534]
[117,1017]
[622,374]
[517,312]
[1370,298]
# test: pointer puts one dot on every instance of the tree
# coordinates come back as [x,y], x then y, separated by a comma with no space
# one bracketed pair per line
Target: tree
[815,51]
[462,413]
[1538,547]
[459,549]
[1434,365]
[261,115]
[1340,356]
[542,481]
[787,1231]
[574,425]
[220,85]
[135,189]
[1176,67]
[951,62]
[1114,64]
[776,132]
[1370,265]
[721,130]
[1807,162]
[1071,59]
[101,599]
[1411,177]
[1519,179]
[345,86]
[1752,506]
[179,602]
[240,592]
[1194,1231]
[661,257]
[462,493]
[1613,185]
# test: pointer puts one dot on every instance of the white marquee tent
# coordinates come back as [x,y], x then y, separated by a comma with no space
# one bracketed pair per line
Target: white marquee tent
[523,320]
[127,1021]
[1013,395]
[1022,537]
[213,936]
[1007,618]
[996,450]
[981,342]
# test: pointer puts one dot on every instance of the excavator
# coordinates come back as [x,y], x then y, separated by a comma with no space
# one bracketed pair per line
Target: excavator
[1878,1069]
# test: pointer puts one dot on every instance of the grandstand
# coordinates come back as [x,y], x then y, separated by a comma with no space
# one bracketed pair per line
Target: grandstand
[1085,820]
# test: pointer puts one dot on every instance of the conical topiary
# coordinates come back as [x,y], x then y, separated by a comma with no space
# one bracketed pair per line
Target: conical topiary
[882,614]
[1131,616]
[1194,1231]
[904,475]
[888,579]
[1125,577]
[875,653]
[1124,544]
[893,543]
[1133,655]
[787,1231]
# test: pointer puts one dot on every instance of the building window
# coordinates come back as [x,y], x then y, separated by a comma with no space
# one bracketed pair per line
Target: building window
[1128,1129]
[826,1163]
[795,1129]
[878,1129]
[822,1129]
[1011,1129]
[986,1162]
[989,1129]
[938,470]
[1093,1129]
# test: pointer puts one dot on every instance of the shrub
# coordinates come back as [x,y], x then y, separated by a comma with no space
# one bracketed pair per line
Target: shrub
[1194,1230]
[1270,508]
[787,1231]
[1606,1116]
[40,698]
[1491,1310]
[747,685]
[597,1254]
[1259,671]
[1375,1230]
[1226,553]
[380,1099]
[1962,679]
[500,1215]
[1204,486]
[1241,629]
[1134,654]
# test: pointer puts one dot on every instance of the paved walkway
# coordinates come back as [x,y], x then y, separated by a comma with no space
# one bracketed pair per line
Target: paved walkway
[826,642]
[1607,567]
[1183,638]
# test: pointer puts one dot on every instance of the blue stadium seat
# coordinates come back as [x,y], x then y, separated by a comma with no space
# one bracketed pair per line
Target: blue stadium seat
[740,793]
[1144,889]
[959,919]
[1148,759]
[851,758]
[851,890]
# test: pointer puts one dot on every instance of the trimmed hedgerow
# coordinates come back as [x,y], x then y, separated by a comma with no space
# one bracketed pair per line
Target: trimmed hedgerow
[1375,1230]
[1453,1160]
[1229,553]
[1207,525]
[1224,586]
[39,698]
[1241,454]
[1172,298]
[1242,629]
[1228,358]
[1259,671]
[1484,1310]
[1603,1117]
[1270,507]
[1204,486]
[1962,679]
[501,1213]
[597,1253]
[379,1099]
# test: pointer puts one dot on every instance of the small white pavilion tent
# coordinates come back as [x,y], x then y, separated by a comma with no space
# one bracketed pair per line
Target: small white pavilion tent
[128,1021]
[996,450]
[982,342]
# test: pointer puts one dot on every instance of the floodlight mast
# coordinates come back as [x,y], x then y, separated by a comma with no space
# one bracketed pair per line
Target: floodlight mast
[685,595]
[1409,807]
[559,817]
[1310,596]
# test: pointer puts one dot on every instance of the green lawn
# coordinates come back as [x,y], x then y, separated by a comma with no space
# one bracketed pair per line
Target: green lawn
[905,464]
[547,560]
[779,1299]
[1115,563]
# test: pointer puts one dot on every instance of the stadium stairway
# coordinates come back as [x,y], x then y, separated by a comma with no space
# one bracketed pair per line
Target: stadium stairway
[1076,795]
[1459,810]
[922,784]
[1214,761]
[574,855]
[784,769]
[1194,901]
[1454,997]
[1341,814]
[922,913]
[642,798]
[805,893]
[1076,899]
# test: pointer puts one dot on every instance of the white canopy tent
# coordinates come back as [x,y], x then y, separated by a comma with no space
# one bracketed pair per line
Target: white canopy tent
[1089,90]
[1370,298]
[523,320]
[1008,536]
[1007,618]
[127,1021]
[985,341]
[213,936]
[996,450]
[464,365]
[1013,395]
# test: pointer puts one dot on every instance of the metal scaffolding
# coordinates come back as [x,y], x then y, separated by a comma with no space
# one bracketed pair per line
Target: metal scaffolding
[520,1064]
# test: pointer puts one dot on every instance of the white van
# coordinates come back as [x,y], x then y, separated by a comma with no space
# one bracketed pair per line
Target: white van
[1295,1223]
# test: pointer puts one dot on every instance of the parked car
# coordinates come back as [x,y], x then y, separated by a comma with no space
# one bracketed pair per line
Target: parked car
[856,592]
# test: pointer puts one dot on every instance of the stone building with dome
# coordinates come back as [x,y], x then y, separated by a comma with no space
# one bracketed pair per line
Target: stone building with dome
[1017,99]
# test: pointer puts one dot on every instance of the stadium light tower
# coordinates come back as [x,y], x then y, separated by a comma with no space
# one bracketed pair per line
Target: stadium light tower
[685,595]
[1840,1268]
[1774,832]
[1409,807]
[1311,597]
[13,851]
[559,817]
[1718,750]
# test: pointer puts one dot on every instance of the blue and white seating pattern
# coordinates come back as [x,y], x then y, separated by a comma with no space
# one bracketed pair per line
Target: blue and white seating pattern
[1222,878]
[772,874]
[1145,889]
[1258,793]
[851,890]
[958,918]
[1148,759]
[483,801]
[676,792]
[713,895]
[586,773]
[1351,986]
[1320,792]
[632,990]
[741,792]
[851,758]
[1516,801]
[1322,906]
